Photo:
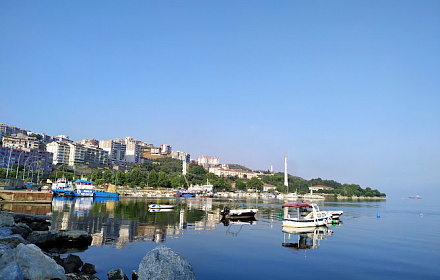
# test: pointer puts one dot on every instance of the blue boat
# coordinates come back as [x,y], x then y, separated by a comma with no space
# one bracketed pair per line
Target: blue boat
[62,188]
[86,188]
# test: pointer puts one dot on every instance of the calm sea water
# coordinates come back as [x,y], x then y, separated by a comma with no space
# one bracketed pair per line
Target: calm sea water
[394,239]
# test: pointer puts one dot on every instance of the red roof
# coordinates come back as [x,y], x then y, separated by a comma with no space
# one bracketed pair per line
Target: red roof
[296,204]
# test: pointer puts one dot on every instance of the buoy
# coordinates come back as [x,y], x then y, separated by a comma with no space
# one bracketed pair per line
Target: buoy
[421,214]
[242,205]
[378,216]
[280,214]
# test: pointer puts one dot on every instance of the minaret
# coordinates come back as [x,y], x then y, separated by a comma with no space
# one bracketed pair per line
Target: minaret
[285,172]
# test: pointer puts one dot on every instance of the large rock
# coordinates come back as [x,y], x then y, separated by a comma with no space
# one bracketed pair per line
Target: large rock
[88,268]
[22,229]
[72,263]
[11,271]
[12,240]
[116,274]
[73,238]
[6,220]
[33,263]
[80,276]
[163,263]
[43,239]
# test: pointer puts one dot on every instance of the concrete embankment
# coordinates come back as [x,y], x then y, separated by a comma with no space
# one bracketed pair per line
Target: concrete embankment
[25,196]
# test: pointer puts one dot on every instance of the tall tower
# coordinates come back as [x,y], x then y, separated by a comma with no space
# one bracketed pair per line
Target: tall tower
[184,166]
[285,172]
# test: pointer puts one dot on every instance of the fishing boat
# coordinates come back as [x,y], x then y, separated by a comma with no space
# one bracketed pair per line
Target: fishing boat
[307,215]
[161,206]
[238,213]
[62,187]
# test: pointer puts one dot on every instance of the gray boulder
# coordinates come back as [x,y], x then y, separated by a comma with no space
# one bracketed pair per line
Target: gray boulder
[73,238]
[11,271]
[43,239]
[72,263]
[33,263]
[163,263]
[22,229]
[116,274]
[12,240]
[6,220]
[80,276]
[88,268]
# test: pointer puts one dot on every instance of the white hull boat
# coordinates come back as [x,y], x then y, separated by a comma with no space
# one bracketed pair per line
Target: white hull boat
[161,206]
[307,215]
[238,213]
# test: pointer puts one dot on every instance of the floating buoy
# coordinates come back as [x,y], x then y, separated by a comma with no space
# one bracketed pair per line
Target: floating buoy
[280,214]
[378,216]
[421,214]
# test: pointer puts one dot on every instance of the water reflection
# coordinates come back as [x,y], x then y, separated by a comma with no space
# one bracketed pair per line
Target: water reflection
[113,222]
[305,238]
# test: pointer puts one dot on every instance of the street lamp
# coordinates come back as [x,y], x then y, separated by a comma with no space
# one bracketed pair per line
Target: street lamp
[24,165]
[18,164]
[9,161]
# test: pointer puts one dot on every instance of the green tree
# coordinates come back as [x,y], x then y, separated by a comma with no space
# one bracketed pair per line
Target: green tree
[163,181]
[240,184]
[136,176]
[152,179]
[255,183]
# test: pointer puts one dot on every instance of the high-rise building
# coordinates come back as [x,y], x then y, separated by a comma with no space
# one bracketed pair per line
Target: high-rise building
[208,161]
[116,151]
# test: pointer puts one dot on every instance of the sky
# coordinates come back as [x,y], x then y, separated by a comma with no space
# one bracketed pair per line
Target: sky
[348,90]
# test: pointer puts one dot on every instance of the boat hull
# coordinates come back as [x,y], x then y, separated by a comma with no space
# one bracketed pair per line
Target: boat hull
[160,206]
[299,223]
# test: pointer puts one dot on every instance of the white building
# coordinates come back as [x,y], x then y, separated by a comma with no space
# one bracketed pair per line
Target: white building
[60,151]
[73,154]
[181,155]
[132,150]
[116,151]
[208,161]
[244,174]
[165,149]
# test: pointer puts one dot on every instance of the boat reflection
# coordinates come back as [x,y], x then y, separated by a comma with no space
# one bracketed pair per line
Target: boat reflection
[238,221]
[305,238]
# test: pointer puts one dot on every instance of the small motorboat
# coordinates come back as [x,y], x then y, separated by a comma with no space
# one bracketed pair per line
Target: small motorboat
[307,215]
[161,206]
[151,210]
[238,213]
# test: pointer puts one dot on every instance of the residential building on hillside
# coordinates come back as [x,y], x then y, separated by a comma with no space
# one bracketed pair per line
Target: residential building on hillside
[24,141]
[10,130]
[208,161]
[181,155]
[165,149]
[36,159]
[76,154]
[115,149]
[132,151]
[219,171]
[320,187]
[63,138]
[89,142]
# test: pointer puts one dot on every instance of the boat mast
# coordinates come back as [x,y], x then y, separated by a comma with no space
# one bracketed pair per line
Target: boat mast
[286,183]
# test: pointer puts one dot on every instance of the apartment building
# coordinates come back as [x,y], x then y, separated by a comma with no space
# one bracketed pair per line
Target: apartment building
[222,172]
[181,155]
[75,154]
[208,161]
[132,151]
[10,130]
[36,159]
[165,149]
[115,149]
[22,140]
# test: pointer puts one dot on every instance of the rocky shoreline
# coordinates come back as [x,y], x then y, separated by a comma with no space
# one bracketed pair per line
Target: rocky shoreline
[30,250]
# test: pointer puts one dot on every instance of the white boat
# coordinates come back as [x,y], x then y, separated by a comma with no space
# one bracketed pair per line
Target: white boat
[160,210]
[307,215]
[238,213]
[291,196]
[84,188]
[161,206]
[62,187]
[334,214]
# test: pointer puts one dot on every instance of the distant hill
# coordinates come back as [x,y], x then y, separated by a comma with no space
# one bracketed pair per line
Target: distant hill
[238,166]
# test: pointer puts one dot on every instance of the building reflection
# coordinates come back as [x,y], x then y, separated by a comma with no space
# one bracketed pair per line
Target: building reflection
[115,223]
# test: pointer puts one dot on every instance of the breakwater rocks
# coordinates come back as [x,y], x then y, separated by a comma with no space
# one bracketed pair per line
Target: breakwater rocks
[29,250]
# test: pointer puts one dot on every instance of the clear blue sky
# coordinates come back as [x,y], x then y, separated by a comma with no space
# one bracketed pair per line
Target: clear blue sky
[349,90]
